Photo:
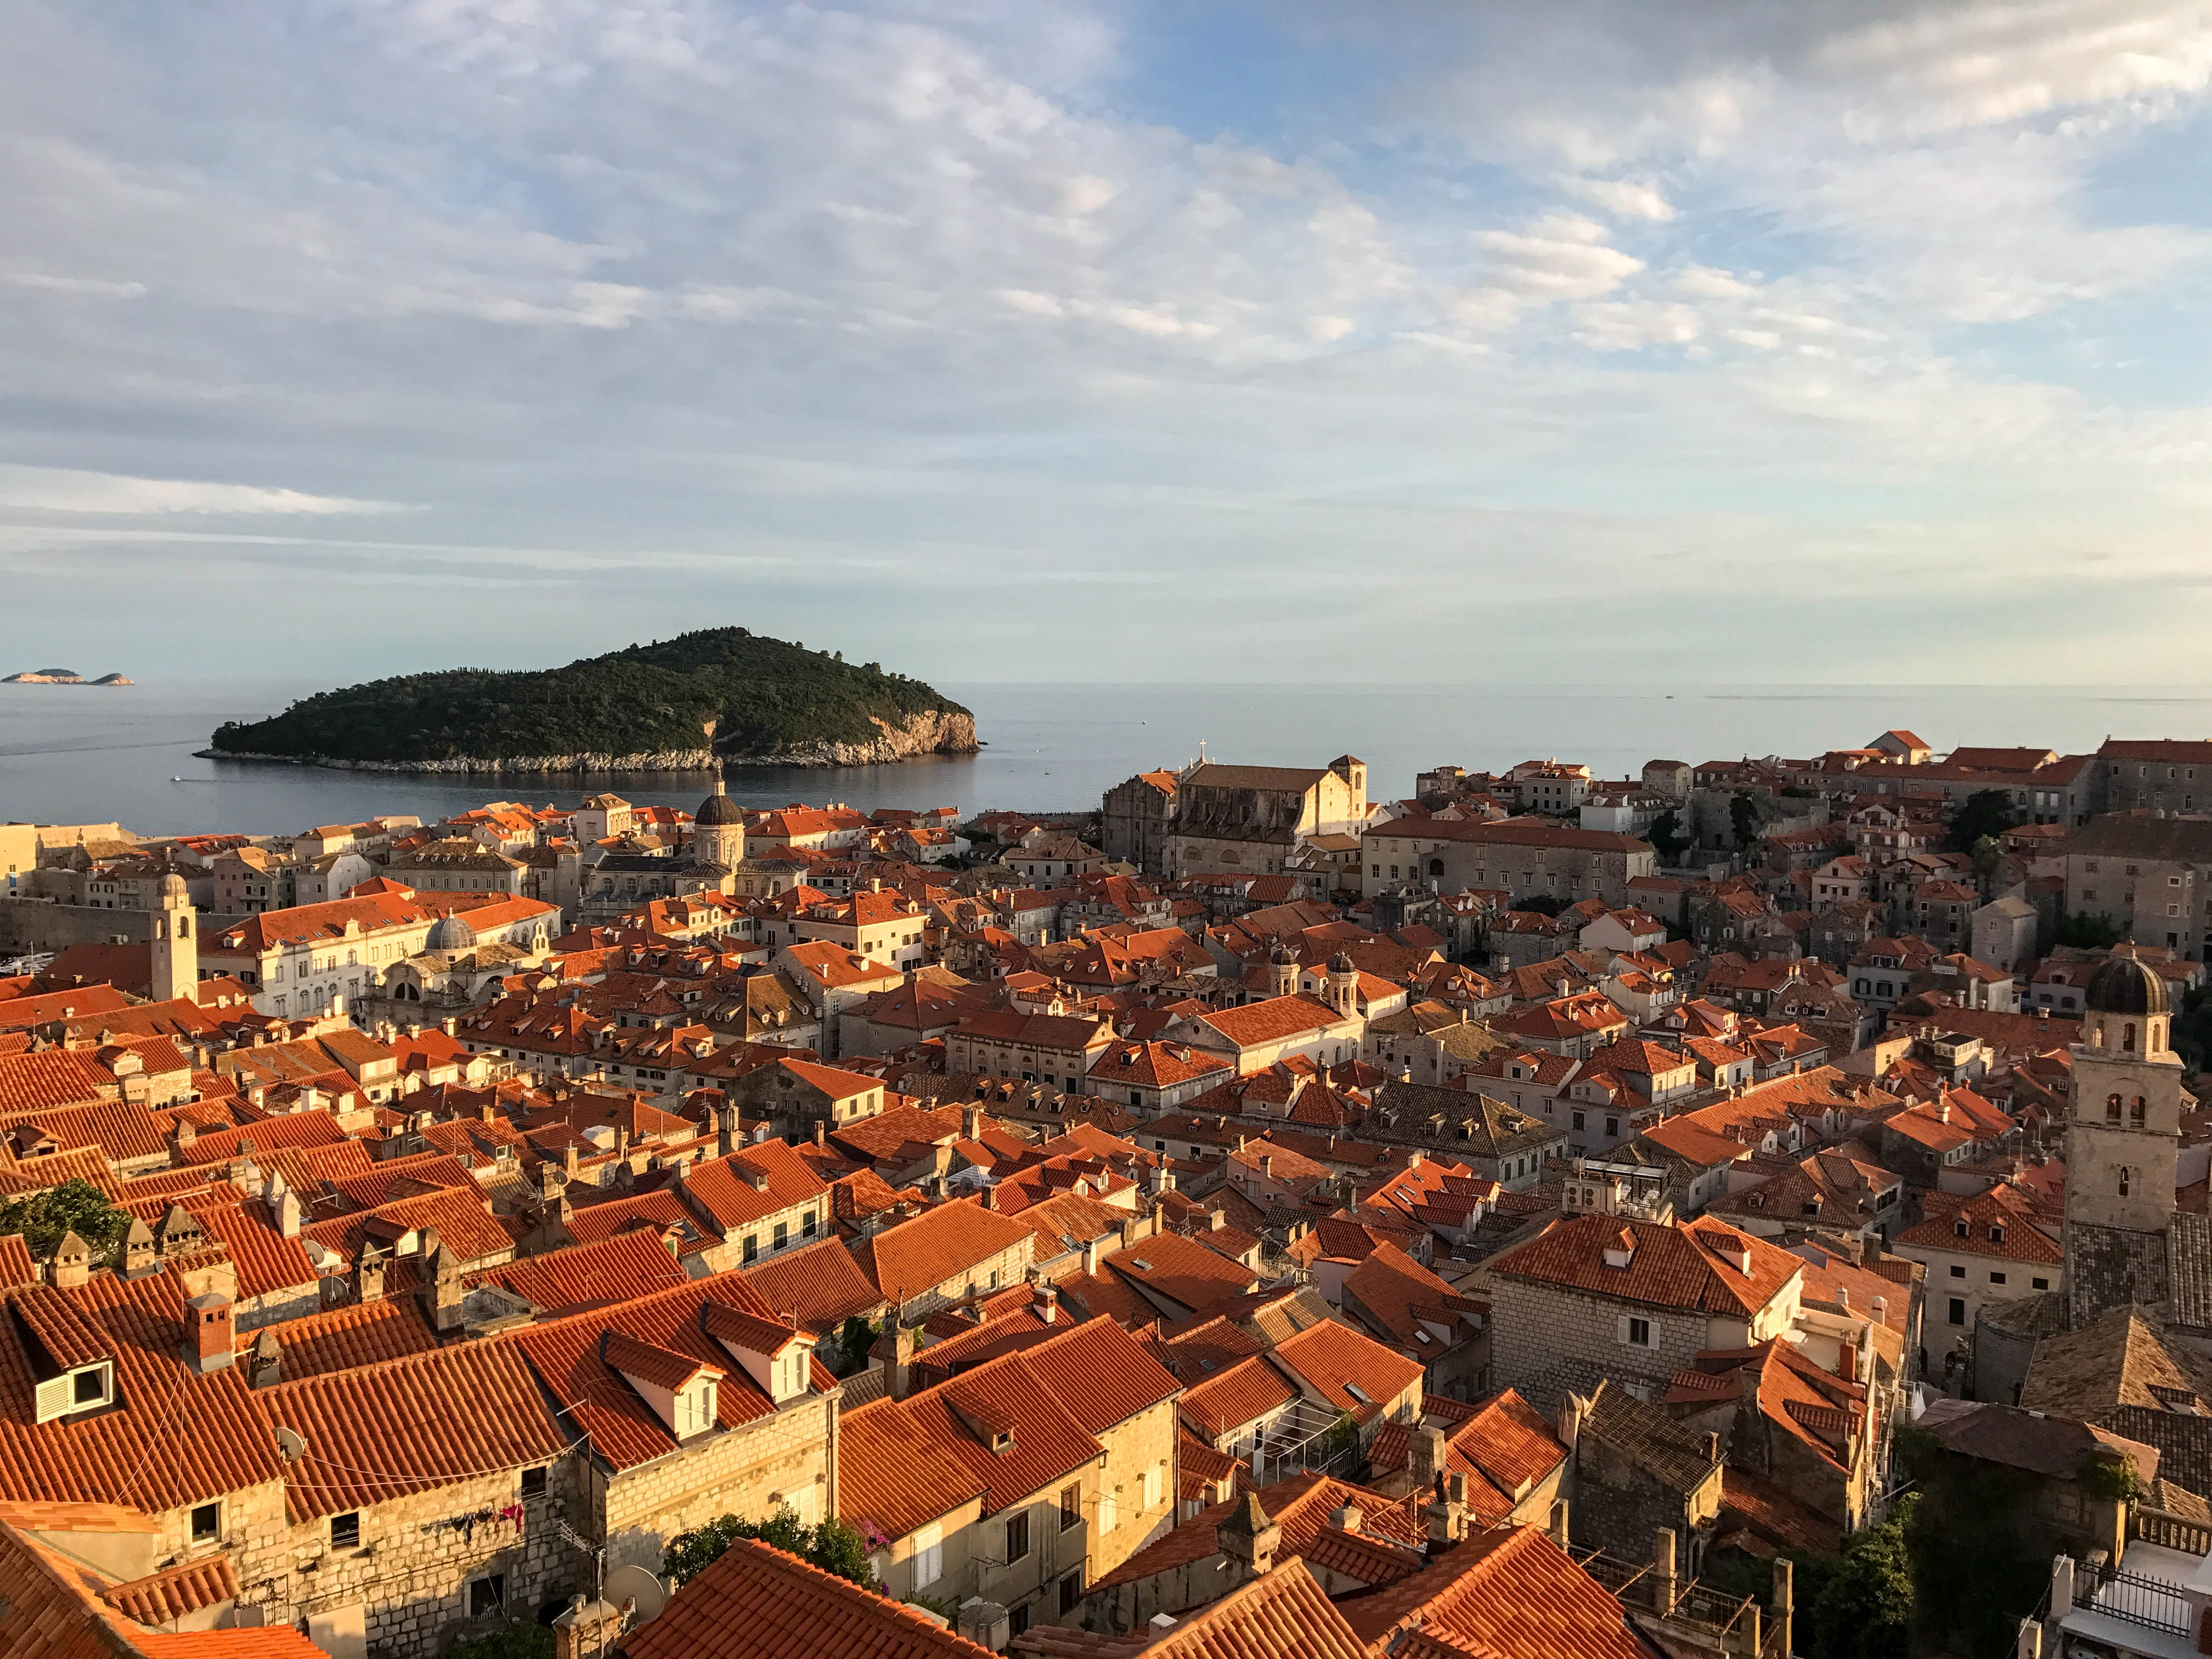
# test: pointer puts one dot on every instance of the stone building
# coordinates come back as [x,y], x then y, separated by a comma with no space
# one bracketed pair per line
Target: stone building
[1596,1296]
[2150,875]
[1247,819]
[1526,858]
[1021,1481]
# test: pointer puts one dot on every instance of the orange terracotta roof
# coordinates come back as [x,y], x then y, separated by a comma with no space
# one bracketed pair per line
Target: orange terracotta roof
[756,1603]
[935,1248]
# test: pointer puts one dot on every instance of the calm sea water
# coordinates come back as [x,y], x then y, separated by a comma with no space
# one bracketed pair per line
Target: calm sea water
[75,754]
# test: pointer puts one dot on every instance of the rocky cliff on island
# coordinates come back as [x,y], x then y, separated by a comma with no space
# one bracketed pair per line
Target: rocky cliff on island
[721,696]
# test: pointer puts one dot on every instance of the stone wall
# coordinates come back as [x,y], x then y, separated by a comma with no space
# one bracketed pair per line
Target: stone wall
[749,1471]
[29,925]
[1545,1339]
[418,1555]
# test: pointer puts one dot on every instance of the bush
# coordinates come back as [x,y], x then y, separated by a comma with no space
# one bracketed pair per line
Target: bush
[77,1206]
[831,1546]
[515,1641]
[1864,1608]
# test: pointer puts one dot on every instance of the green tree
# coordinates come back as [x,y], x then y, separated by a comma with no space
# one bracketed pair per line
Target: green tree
[1864,1608]
[516,1641]
[77,1206]
[831,1546]
[1743,818]
[2193,1029]
[2087,931]
[854,1338]
[1544,904]
[1667,836]
[1985,812]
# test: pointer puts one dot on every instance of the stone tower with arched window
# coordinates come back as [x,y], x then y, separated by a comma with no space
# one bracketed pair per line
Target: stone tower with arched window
[2123,1141]
[173,956]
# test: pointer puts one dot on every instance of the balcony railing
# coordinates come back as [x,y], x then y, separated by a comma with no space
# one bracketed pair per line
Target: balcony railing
[2182,1533]
[2153,1603]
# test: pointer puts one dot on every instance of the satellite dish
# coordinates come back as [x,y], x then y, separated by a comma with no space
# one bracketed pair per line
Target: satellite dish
[291,1444]
[638,1585]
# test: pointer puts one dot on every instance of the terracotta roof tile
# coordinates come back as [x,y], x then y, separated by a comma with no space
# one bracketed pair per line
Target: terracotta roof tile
[756,1603]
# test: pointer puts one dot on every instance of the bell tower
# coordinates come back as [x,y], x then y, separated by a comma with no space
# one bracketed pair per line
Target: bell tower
[2123,1141]
[174,953]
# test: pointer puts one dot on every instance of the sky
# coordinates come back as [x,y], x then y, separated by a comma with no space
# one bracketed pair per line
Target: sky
[1405,342]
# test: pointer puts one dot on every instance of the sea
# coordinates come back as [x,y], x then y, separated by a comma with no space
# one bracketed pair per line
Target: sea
[80,754]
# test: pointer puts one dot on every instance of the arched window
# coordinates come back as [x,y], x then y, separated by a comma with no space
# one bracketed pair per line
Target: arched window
[184,926]
[2136,1113]
[2127,1036]
[2111,1108]
[1435,867]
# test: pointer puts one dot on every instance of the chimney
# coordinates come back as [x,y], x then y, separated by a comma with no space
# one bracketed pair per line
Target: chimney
[1662,1571]
[1570,1420]
[1089,1256]
[440,1288]
[1347,1519]
[821,1132]
[1425,1455]
[1048,1303]
[369,1275]
[1847,1362]
[207,1344]
[902,1358]
[72,1262]
[264,1366]
[1712,1448]
[1881,1310]
[288,1213]
[1558,1527]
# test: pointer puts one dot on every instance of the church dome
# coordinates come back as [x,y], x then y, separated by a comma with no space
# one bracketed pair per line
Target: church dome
[1341,963]
[173,887]
[449,933]
[2126,985]
[718,811]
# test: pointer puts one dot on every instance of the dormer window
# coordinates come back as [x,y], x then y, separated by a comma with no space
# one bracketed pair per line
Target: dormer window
[1961,1229]
[84,1389]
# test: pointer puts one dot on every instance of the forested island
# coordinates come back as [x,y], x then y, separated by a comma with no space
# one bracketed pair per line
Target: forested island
[718,696]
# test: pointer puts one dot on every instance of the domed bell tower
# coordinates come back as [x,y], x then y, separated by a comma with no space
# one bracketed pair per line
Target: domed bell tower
[718,834]
[2122,1141]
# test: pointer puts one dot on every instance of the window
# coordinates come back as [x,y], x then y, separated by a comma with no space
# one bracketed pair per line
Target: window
[1070,1506]
[2122,1176]
[1578,1120]
[1958,1310]
[487,1595]
[1639,1333]
[2136,1107]
[1017,1536]
[534,1482]
[1996,1278]
[1109,1512]
[928,1555]
[782,1234]
[207,1524]
[1958,1272]
[1017,1621]
[346,1531]
[1148,1486]
[752,1248]
[2040,1283]
[2111,1108]
[1070,1592]
[89,1386]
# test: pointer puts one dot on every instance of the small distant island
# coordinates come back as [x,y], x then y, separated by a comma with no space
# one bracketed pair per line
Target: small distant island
[701,701]
[60,677]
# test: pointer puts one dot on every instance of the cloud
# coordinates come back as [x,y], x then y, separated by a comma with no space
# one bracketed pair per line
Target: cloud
[945,297]
[61,489]
[1623,197]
